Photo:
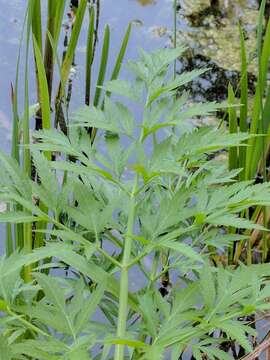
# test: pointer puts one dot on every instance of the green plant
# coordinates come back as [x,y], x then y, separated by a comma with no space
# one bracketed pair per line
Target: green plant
[149,189]
[47,61]
[253,158]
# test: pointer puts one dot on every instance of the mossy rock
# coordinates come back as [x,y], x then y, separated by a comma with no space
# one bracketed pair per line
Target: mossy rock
[193,6]
[217,37]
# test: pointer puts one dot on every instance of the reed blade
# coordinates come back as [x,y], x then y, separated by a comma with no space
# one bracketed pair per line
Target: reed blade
[60,7]
[103,65]
[48,52]
[27,227]
[243,125]
[121,54]
[36,23]
[233,151]
[89,55]
[255,144]
[67,63]
[76,30]
[44,99]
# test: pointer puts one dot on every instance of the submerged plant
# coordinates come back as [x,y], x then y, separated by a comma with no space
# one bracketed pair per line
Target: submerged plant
[144,188]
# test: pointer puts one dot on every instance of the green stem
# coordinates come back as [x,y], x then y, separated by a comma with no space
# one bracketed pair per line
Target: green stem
[123,300]
[26,323]
[27,228]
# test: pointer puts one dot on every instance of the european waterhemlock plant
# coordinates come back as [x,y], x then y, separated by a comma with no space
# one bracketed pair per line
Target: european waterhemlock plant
[47,61]
[132,222]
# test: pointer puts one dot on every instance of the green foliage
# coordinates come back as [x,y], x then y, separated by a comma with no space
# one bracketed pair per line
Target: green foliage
[254,120]
[144,188]
[46,56]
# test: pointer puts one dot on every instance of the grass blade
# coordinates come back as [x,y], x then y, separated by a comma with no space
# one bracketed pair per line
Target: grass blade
[73,40]
[233,151]
[44,98]
[121,54]
[243,125]
[103,65]
[89,54]
[48,52]
[59,18]
[27,227]
[255,144]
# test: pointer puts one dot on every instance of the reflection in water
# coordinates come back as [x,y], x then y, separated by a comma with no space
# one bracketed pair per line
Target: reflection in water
[212,35]
[146,2]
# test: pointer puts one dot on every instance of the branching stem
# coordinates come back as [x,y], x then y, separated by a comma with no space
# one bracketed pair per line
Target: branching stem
[123,299]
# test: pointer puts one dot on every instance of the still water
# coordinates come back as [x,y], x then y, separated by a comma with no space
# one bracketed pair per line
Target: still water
[145,14]
[209,28]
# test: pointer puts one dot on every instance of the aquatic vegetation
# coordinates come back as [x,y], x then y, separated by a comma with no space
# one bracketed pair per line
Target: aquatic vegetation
[55,75]
[115,209]
[255,119]
[125,231]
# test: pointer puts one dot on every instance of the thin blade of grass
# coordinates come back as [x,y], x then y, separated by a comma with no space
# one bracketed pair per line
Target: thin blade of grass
[243,125]
[27,233]
[233,151]
[44,90]
[46,124]
[58,63]
[89,55]
[15,154]
[48,52]
[121,54]
[120,57]
[260,28]
[76,30]
[174,33]
[102,72]
[67,63]
[37,34]
[103,65]
[59,19]
[255,143]
[36,23]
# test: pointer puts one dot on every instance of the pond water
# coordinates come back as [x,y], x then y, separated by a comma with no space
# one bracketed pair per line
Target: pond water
[208,27]
[146,15]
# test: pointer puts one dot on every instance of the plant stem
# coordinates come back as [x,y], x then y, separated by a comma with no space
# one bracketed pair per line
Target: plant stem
[27,228]
[123,299]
